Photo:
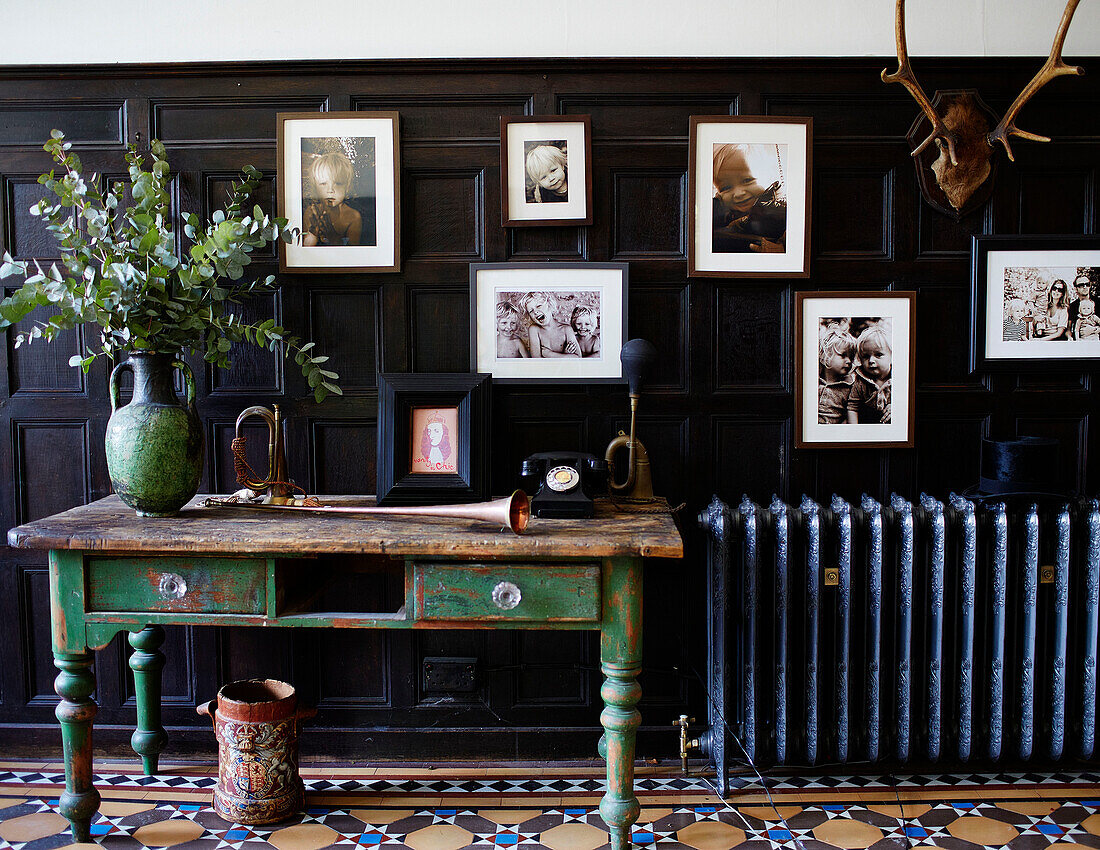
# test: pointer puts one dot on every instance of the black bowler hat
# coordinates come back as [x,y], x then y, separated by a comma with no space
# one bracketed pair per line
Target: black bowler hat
[1025,466]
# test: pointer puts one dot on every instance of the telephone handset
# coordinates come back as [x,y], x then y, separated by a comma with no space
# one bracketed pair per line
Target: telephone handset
[565,482]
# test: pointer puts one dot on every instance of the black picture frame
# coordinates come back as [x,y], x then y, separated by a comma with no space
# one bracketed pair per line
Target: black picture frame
[990,257]
[398,395]
[563,280]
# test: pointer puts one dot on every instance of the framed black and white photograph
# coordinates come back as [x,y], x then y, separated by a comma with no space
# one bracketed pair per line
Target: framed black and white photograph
[548,321]
[1034,300]
[433,438]
[546,170]
[339,186]
[854,362]
[749,196]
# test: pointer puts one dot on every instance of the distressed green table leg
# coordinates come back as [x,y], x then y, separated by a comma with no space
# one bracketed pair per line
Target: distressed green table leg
[147,661]
[74,684]
[621,661]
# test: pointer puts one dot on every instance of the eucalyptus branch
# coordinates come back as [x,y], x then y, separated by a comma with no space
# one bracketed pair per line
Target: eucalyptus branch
[119,268]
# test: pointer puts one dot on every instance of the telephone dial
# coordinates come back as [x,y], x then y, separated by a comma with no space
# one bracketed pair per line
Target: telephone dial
[565,482]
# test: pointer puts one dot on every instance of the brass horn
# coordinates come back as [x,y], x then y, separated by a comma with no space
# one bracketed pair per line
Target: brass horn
[513,511]
[277,484]
[638,357]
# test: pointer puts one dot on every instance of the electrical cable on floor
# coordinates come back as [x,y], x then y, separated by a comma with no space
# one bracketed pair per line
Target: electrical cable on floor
[748,760]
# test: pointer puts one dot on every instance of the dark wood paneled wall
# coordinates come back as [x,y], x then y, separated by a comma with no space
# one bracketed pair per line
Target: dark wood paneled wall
[717,420]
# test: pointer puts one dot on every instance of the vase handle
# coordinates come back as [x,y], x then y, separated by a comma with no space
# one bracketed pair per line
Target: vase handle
[116,375]
[188,380]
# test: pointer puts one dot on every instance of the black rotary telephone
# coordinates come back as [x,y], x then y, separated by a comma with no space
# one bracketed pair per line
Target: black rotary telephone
[566,483]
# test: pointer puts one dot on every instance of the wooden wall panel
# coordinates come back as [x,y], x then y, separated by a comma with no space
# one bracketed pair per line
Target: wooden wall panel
[716,416]
[253,370]
[345,323]
[955,461]
[53,467]
[37,653]
[861,230]
[26,234]
[644,115]
[192,121]
[752,337]
[555,669]
[29,122]
[345,456]
[555,243]
[444,215]
[750,455]
[649,209]
[42,368]
[461,116]
[661,311]
[440,328]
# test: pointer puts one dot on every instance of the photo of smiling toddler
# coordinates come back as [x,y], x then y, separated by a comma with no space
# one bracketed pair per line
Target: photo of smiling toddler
[546,163]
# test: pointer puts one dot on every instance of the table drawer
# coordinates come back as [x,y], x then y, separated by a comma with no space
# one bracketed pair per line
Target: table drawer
[182,585]
[510,592]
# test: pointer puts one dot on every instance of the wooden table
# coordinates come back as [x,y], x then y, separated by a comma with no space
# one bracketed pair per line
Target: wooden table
[111,570]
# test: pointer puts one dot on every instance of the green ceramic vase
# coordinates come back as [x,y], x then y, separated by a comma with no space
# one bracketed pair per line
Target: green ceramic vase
[154,443]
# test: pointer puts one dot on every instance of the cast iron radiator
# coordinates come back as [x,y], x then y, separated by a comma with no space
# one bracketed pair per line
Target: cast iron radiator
[907,634]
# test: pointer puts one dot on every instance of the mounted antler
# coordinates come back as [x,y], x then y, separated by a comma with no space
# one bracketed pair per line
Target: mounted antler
[907,78]
[960,123]
[1053,67]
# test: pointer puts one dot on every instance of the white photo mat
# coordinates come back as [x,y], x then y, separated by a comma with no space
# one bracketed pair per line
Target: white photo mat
[576,166]
[608,281]
[795,184]
[898,310]
[997,263]
[380,255]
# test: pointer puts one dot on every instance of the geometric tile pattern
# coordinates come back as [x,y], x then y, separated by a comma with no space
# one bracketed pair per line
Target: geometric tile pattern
[556,808]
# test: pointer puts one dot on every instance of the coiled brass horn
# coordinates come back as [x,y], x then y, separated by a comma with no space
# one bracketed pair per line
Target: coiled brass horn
[513,511]
[277,484]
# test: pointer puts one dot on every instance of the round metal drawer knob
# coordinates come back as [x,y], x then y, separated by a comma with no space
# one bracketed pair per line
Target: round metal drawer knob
[172,586]
[506,596]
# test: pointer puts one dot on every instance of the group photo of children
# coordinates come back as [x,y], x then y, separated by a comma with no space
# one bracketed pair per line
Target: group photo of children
[546,165]
[750,203]
[1049,304]
[338,192]
[548,324]
[855,365]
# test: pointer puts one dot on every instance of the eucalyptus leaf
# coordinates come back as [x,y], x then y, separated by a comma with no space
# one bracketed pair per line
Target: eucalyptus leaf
[119,269]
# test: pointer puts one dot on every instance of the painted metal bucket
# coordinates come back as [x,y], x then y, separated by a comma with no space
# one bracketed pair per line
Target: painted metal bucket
[256,722]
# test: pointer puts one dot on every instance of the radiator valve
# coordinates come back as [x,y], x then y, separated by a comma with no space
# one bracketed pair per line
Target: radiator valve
[686,745]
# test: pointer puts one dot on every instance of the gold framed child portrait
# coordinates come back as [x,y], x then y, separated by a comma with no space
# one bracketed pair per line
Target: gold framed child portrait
[854,366]
[559,322]
[339,187]
[749,196]
[545,170]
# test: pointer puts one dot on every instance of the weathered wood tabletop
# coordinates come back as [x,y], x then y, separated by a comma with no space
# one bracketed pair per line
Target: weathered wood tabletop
[108,525]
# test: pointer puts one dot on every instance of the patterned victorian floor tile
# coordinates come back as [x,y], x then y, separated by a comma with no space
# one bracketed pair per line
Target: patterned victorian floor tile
[557,808]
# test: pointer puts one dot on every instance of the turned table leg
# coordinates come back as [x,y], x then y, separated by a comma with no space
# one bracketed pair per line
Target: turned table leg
[621,661]
[74,684]
[147,661]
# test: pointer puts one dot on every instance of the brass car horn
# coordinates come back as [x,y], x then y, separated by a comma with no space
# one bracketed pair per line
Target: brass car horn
[638,358]
[276,486]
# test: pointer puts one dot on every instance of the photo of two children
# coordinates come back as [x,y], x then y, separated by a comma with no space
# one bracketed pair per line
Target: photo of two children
[854,371]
